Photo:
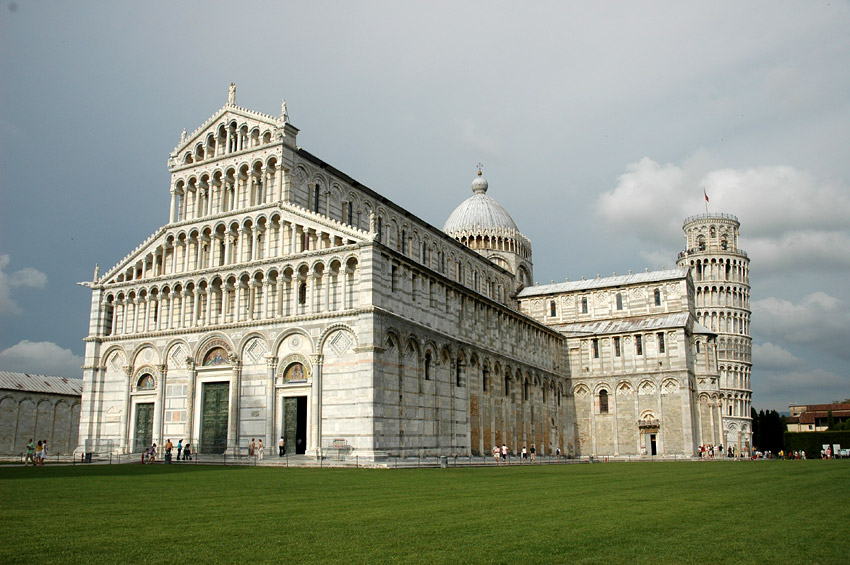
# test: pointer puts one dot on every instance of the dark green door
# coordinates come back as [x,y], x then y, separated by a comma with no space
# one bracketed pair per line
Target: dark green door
[295,424]
[215,404]
[144,427]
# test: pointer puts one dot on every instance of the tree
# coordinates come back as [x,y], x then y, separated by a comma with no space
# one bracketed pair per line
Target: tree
[830,421]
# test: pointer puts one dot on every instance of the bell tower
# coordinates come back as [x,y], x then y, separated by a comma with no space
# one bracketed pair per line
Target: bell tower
[721,275]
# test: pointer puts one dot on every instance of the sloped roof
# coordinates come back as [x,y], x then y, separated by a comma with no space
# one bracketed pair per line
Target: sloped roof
[604,282]
[625,325]
[30,382]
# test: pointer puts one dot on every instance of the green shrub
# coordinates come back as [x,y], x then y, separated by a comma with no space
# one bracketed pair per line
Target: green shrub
[812,442]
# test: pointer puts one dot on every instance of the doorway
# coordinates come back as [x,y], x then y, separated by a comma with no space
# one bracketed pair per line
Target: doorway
[295,424]
[214,408]
[652,444]
[144,427]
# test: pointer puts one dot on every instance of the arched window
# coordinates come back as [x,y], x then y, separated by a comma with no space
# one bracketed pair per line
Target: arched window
[603,401]
[485,379]
[657,294]
[584,305]
[616,346]
[146,382]
[428,366]
[619,301]
[595,343]
[316,192]
[458,369]
[507,385]
[638,345]
[553,309]
[302,293]
[660,342]
[379,228]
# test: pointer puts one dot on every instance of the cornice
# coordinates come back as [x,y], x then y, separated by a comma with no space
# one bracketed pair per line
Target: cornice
[235,267]
[251,324]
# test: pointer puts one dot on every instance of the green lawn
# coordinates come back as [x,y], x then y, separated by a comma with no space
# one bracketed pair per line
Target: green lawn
[758,512]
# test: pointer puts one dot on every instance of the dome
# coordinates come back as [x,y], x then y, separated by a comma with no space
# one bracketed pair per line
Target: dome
[479,211]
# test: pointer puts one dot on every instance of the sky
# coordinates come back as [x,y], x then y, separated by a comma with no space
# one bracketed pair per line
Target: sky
[599,126]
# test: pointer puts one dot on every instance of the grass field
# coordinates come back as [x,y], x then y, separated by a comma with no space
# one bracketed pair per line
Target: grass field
[710,512]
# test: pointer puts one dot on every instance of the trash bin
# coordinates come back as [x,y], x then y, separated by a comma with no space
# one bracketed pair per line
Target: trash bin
[444,462]
[87,458]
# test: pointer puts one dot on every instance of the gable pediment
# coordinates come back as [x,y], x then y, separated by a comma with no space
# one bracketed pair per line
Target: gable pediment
[201,143]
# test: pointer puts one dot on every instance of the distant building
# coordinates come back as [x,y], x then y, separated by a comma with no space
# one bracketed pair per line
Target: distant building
[813,417]
[38,407]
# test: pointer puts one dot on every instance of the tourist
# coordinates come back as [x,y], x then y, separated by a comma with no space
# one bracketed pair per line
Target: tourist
[496,453]
[281,447]
[187,452]
[251,447]
[30,454]
[260,449]
[38,452]
[558,452]
[168,447]
[524,453]
[179,448]
[152,453]
[504,452]
[533,452]
[43,451]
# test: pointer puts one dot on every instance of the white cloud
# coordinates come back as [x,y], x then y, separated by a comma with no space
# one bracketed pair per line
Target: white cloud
[770,356]
[26,277]
[43,357]
[818,320]
[788,216]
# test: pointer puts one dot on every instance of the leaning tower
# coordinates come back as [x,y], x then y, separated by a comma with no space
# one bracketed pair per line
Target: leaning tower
[721,274]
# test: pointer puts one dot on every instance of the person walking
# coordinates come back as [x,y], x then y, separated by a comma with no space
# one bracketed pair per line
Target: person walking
[281,447]
[30,454]
[38,452]
[179,448]
[504,452]
[187,452]
[252,447]
[533,452]
[496,453]
[260,450]
[524,453]
[43,451]
[168,447]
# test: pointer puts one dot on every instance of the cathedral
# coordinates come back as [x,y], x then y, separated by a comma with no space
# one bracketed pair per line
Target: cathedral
[285,299]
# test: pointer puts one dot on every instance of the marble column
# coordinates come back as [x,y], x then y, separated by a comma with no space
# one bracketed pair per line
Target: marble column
[271,363]
[124,429]
[233,408]
[316,406]
[190,402]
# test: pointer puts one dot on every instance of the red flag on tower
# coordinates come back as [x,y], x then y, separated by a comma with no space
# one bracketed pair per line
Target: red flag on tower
[706,194]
